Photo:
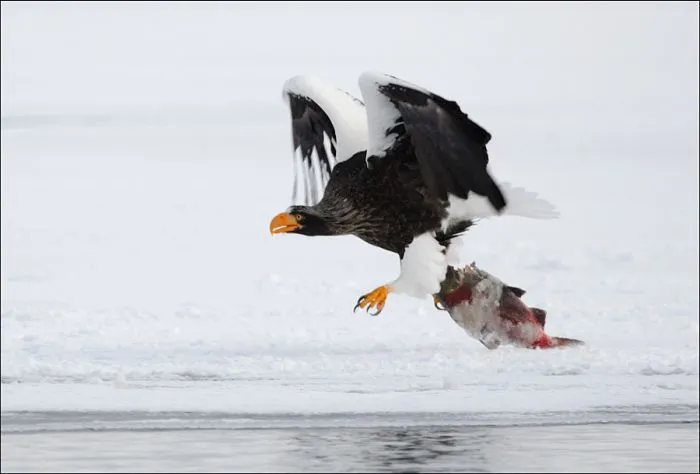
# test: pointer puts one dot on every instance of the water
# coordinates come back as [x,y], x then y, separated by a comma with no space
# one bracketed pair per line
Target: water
[668,447]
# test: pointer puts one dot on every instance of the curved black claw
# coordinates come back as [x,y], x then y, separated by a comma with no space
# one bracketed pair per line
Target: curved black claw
[438,304]
[359,301]
[358,304]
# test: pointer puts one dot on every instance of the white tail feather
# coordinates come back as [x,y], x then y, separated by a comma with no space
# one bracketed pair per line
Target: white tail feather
[520,202]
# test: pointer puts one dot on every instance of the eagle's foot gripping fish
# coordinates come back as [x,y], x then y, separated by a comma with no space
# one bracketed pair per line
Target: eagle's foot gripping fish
[492,311]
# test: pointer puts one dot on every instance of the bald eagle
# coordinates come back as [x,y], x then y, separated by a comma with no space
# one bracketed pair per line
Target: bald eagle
[405,170]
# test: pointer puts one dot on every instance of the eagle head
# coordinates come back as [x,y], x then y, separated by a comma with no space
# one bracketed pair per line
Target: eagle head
[304,220]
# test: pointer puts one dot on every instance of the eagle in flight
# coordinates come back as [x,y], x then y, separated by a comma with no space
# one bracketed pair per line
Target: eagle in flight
[404,170]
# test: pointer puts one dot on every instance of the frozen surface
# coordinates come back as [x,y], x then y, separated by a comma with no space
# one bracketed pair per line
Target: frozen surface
[146,147]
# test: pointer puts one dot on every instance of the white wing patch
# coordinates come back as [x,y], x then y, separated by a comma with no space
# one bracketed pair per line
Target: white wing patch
[346,112]
[381,113]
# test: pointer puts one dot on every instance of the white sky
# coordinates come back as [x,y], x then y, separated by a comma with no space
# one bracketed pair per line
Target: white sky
[623,72]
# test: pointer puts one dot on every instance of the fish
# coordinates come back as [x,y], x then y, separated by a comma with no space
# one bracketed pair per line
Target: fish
[493,312]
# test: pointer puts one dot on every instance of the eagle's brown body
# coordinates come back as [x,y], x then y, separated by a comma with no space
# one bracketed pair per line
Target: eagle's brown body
[386,206]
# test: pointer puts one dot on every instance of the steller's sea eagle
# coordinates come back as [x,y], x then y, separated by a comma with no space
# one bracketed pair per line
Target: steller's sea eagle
[405,171]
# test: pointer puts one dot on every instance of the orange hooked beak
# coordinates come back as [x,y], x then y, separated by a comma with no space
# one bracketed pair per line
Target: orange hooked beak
[283,222]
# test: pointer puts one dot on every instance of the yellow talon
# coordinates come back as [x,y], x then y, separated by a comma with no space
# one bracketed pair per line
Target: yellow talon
[374,299]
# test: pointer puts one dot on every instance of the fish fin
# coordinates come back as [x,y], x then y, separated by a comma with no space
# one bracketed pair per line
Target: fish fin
[539,314]
[564,341]
[519,292]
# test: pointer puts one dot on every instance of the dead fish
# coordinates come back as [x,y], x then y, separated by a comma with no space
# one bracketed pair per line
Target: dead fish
[493,312]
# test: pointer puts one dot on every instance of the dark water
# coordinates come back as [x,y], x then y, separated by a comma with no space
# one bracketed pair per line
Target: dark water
[662,447]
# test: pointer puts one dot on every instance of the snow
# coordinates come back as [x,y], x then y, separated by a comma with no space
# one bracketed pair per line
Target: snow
[145,149]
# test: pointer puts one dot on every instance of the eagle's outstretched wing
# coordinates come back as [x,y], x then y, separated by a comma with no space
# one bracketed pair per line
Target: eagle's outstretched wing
[328,127]
[450,148]
[406,121]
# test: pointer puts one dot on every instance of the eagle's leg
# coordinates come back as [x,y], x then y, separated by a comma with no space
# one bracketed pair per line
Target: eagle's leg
[423,267]
[374,299]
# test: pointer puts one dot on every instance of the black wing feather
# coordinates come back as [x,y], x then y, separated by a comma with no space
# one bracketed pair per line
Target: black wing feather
[449,146]
[454,230]
[310,126]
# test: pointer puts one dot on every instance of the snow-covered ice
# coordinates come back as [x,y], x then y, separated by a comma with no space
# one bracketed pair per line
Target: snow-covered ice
[145,148]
